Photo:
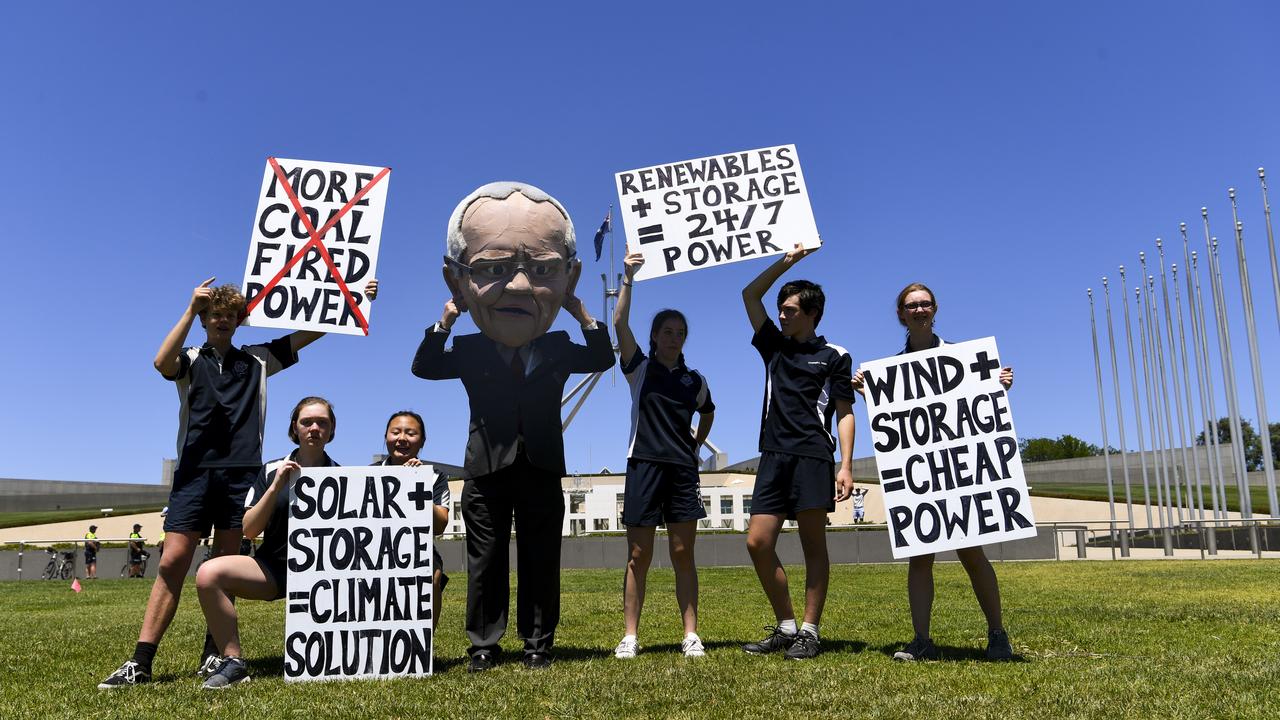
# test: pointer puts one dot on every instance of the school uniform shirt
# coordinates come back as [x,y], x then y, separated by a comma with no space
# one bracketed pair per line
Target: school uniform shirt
[802,382]
[937,341]
[224,403]
[275,537]
[663,401]
[440,494]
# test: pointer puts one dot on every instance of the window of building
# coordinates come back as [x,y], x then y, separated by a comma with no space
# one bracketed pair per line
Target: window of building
[726,504]
[727,523]
[746,504]
[621,499]
[576,502]
[706,503]
[577,526]
[704,523]
[600,524]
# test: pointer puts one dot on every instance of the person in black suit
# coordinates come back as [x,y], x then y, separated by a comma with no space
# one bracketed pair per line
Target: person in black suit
[511,265]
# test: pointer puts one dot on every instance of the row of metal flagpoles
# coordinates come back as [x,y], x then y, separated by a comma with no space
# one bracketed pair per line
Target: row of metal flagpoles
[1167,412]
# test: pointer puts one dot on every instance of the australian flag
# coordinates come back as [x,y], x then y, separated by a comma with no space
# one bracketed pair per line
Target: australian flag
[605,227]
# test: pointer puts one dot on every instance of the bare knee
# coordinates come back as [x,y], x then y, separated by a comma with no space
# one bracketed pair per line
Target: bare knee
[640,556]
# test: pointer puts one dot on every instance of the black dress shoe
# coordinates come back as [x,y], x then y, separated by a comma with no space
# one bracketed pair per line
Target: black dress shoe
[481,661]
[536,660]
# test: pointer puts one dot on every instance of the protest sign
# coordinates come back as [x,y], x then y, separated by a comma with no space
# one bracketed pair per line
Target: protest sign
[359,601]
[946,450]
[716,210]
[314,246]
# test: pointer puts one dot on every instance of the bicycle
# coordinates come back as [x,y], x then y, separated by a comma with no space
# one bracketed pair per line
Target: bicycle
[142,566]
[62,565]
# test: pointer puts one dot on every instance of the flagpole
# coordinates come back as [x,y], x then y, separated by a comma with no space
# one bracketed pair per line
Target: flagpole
[1195,343]
[1255,362]
[1208,404]
[1137,406]
[1152,426]
[1271,241]
[1164,390]
[1149,368]
[1162,406]
[1228,372]
[1115,387]
[1102,415]
[1195,503]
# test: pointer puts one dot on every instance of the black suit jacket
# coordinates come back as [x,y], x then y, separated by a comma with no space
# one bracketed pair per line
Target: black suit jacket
[501,404]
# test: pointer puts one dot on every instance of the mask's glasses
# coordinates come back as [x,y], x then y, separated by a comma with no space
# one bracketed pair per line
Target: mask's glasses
[489,271]
[922,305]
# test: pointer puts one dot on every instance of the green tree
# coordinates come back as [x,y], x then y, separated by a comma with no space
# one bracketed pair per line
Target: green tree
[1252,441]
[1065,446]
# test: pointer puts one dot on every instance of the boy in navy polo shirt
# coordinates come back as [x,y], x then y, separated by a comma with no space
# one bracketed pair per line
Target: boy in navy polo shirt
[223,391]
[806,379]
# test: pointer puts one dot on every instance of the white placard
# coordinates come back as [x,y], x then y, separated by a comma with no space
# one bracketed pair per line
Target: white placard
[314,246]
[359,601]
[716,210]
[946,449]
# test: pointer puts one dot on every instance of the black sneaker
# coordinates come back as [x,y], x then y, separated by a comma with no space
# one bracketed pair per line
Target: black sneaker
[998,647]
[209,666]
[917,649]
[232,671]
[128,675]
[804,647]
[775,642]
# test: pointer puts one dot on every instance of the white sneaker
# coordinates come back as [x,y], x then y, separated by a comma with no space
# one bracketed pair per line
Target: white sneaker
[627,649]
[692,646]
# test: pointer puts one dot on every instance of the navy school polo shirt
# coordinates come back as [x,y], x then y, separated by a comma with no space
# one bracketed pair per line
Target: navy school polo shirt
[662,405]
[276,535]
[224,403]
[802,382]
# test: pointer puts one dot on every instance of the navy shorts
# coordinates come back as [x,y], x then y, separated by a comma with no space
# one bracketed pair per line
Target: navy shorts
[209,497]
[275,569]
[787,484]
[658,492]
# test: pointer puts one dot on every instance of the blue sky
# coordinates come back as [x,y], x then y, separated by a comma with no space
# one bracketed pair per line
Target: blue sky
[1007,154]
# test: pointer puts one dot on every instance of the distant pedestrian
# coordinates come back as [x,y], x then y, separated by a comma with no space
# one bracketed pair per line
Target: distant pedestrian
[91,548]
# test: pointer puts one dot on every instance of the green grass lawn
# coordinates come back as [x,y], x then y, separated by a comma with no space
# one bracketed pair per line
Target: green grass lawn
[40,517]
[1182,639]
[1098,491]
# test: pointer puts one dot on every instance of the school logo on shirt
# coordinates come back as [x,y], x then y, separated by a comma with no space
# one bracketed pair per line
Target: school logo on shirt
[240,368]
[686,380]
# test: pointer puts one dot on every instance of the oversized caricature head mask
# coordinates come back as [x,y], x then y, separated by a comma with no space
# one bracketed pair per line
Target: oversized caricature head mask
[510,260]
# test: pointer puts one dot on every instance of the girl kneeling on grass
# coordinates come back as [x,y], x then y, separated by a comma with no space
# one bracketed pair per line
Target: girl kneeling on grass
[916,308]
[662,464]
[263,576]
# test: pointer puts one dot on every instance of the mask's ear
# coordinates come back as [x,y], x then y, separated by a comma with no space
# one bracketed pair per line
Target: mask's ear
[575,272]
[454,283]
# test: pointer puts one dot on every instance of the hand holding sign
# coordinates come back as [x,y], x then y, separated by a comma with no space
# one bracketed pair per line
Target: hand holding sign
[632,263]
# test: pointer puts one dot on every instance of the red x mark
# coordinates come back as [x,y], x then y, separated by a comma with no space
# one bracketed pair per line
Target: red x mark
[316,243]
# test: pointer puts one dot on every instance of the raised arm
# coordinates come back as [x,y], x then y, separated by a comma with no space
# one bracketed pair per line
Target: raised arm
[432,361]
[631,264]
[753,293]
[597,356]
[166,361]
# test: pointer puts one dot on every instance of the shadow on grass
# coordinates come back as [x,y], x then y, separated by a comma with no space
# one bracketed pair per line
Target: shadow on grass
[951,653]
